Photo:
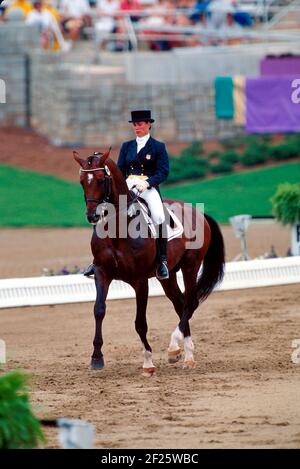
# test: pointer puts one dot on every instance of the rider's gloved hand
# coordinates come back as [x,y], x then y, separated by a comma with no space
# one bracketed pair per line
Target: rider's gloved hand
[142,186]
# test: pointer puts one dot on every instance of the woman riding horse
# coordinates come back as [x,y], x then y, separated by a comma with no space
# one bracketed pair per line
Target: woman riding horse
[121,255]
[144,163]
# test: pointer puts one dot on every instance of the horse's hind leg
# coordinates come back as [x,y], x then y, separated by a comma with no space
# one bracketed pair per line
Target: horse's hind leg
[174,294]
[142,290]
[190,305]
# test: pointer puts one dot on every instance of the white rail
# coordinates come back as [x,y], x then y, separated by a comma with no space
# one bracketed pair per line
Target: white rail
[77,289]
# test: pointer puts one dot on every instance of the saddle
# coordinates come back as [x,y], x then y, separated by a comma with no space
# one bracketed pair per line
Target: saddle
[173,224]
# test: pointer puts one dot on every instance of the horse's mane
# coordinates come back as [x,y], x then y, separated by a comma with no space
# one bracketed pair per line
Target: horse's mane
[118,176]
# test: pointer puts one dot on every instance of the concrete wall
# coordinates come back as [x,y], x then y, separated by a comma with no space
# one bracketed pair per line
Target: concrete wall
[14,70]
[84,105]
[187,65]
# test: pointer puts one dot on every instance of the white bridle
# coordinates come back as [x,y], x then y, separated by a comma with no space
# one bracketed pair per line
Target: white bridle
[88,170]
[105,168]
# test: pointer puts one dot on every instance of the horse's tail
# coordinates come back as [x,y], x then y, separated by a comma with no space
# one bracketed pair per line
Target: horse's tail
[213,263]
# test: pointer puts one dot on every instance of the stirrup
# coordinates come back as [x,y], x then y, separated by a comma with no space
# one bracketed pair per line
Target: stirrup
[90,270]
[162,272]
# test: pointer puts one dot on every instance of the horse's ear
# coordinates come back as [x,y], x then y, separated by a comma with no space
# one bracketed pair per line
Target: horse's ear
[77,158]
[105,155]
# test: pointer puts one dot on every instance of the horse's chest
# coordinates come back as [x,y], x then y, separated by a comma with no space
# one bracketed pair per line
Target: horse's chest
[113,261]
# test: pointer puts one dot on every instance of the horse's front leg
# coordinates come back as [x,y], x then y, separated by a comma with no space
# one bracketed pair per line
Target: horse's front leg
[102,285]
[141,291]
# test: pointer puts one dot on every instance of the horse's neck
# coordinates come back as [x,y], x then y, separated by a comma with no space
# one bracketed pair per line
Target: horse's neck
[119,187]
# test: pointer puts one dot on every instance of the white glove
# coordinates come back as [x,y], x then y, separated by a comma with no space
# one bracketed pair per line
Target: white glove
[142,186]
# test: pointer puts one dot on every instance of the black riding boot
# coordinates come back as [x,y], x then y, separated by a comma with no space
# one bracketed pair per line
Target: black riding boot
[90,270]
[162,272]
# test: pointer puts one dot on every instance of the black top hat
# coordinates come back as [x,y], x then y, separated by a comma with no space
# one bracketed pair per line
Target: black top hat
[141,116]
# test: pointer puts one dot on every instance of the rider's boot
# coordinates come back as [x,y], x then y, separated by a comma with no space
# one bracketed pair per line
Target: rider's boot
[162,272]
[90,270]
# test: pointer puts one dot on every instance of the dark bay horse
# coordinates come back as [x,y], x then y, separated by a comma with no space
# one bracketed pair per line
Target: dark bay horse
[133,260]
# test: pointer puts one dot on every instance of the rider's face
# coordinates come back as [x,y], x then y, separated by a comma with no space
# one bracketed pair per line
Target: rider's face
[141,128]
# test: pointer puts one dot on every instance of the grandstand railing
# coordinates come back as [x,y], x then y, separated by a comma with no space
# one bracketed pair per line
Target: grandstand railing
[137,32]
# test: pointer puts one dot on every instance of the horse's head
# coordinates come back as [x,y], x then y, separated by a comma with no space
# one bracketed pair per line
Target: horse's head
[95,179]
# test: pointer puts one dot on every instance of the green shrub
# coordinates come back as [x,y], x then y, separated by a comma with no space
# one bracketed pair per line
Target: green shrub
[186,167]
[19,428]
[175,170]
[237,141]
[286,203]
[229,157]
[265,138]
[193,150]
[193,167]
[284,151]
[230,143]
[255,154]
[214,154]
[245,140]
[222,167]
[292,138]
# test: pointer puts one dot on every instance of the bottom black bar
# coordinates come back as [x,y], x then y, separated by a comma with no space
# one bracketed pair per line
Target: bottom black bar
[136,458]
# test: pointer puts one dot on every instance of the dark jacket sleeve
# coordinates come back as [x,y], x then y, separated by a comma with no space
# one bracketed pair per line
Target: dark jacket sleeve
[162,166]
[122,159]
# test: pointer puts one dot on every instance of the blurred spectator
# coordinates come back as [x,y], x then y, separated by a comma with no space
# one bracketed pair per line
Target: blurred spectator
[160,14]
[58,41]
[22,5]
[49,6]
[76,14]
[183,18]
[243,18]
[230,31]
[131,5]
[3,6]
[39,16]
[218,10]
[107,22]
[108,7]
[199,10]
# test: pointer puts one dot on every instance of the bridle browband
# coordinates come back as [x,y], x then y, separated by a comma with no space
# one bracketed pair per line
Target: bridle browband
[93,169]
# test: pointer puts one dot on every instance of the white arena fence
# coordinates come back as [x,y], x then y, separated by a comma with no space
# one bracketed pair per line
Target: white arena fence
[64,289]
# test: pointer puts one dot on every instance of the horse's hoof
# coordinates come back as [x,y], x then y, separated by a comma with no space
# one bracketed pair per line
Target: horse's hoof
[97,364]
[189,364]
[148,372]
[174,356]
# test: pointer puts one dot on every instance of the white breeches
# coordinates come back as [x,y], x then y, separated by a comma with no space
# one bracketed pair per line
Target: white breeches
[152,197]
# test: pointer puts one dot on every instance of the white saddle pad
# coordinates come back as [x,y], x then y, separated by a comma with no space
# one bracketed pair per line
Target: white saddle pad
[171,232]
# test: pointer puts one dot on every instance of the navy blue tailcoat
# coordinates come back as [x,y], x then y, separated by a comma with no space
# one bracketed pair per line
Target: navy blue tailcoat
[151,161]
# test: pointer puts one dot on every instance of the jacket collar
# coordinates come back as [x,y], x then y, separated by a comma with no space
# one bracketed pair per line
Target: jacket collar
[143,139]
[148,144]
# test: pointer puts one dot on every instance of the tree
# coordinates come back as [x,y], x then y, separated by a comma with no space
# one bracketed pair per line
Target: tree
[286,203]
[19,428]
[286,209]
